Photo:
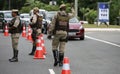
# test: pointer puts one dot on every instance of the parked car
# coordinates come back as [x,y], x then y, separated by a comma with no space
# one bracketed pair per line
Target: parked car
[50,15]
[5,18]
[25,18]
[76,30]
[2,21]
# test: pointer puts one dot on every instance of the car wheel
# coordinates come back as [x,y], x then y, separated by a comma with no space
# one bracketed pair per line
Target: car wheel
[82,37]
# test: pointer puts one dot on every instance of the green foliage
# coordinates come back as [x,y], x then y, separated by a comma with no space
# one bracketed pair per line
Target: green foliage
[83,5]
[92,4]
[25,10]
[31,4]
[84,11]
[91,16]
[68,7]
[114,11]
[51,7]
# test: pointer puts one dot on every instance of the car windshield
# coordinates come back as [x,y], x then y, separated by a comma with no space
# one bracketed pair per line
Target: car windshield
[50,15]
[7,15]
[25,16]
[74,20]
[43,14]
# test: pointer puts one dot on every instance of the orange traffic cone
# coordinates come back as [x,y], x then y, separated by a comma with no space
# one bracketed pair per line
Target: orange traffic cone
[43,44]
[6,31]
[39,52]
[66,66]
[24,31]
[29,37]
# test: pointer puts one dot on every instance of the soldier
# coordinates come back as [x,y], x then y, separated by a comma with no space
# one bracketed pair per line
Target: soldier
[36,25]
[14,29]
[59,27]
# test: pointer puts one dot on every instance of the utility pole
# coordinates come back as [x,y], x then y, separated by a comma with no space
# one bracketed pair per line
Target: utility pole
[9,5]
[76,7]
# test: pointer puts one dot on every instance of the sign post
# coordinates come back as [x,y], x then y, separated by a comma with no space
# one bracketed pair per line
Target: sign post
[103,13]
[76,7]
[53,2]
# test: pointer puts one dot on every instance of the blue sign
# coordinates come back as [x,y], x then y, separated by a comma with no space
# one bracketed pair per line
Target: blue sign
[103,12]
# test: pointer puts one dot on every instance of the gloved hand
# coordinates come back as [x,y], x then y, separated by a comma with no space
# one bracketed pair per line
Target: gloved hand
[38,34]
[49,36]
[11,28]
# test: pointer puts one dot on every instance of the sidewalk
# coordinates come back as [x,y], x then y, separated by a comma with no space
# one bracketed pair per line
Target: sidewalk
[102,29]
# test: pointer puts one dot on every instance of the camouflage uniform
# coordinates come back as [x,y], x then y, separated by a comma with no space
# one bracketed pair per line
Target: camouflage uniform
[60,36]
[36,25]
[15,34]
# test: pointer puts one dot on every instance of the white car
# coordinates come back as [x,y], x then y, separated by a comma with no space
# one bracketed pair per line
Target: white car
[25,17]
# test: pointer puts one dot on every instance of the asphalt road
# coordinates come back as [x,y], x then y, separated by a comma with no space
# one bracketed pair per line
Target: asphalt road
[99,53]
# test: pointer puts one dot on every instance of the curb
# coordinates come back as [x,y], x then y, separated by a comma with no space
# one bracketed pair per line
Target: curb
[102,29]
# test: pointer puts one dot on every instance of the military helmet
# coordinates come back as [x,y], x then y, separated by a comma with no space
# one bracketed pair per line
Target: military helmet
[35,9]
[62,5]
[14,10]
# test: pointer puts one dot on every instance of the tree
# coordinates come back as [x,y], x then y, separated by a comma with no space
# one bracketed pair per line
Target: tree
[91,16]
[114,10]
[83,12]
[92,4]
[14,4]
[17,4]
[2,4]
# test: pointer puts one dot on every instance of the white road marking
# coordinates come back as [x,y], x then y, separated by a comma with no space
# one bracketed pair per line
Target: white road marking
[51,71]
[103,41]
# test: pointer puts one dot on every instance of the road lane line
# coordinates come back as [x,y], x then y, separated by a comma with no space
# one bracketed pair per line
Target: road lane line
[102,41]
[51,71]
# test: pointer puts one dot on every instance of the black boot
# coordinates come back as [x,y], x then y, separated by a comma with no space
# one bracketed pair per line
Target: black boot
[33,50]
[61,56]
[15,57]
[55,54]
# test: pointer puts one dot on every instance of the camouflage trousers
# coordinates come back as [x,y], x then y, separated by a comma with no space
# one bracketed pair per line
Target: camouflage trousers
[34,38]
[59,43]
[15,39]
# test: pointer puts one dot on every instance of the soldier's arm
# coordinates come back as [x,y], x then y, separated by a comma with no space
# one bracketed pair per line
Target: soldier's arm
[52,25]
[72,14]
[34,19]
[39,27]
[16,23]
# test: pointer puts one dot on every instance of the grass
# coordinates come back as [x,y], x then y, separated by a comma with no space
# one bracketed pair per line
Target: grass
[101,26]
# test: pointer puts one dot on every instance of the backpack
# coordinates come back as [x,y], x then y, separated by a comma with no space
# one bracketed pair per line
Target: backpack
[39,21]
[62,22]
[20,26]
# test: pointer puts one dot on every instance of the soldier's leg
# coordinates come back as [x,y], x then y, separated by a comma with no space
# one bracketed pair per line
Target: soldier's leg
[62,48]
[15,40]
[55,44]
[34,44]
[61,52]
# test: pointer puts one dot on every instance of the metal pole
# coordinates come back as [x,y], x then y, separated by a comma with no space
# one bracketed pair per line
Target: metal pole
[76,7]
[9,4]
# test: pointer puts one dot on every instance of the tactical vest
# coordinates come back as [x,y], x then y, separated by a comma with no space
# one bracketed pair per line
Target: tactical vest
[15,30]
[38,24]
[62,22]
